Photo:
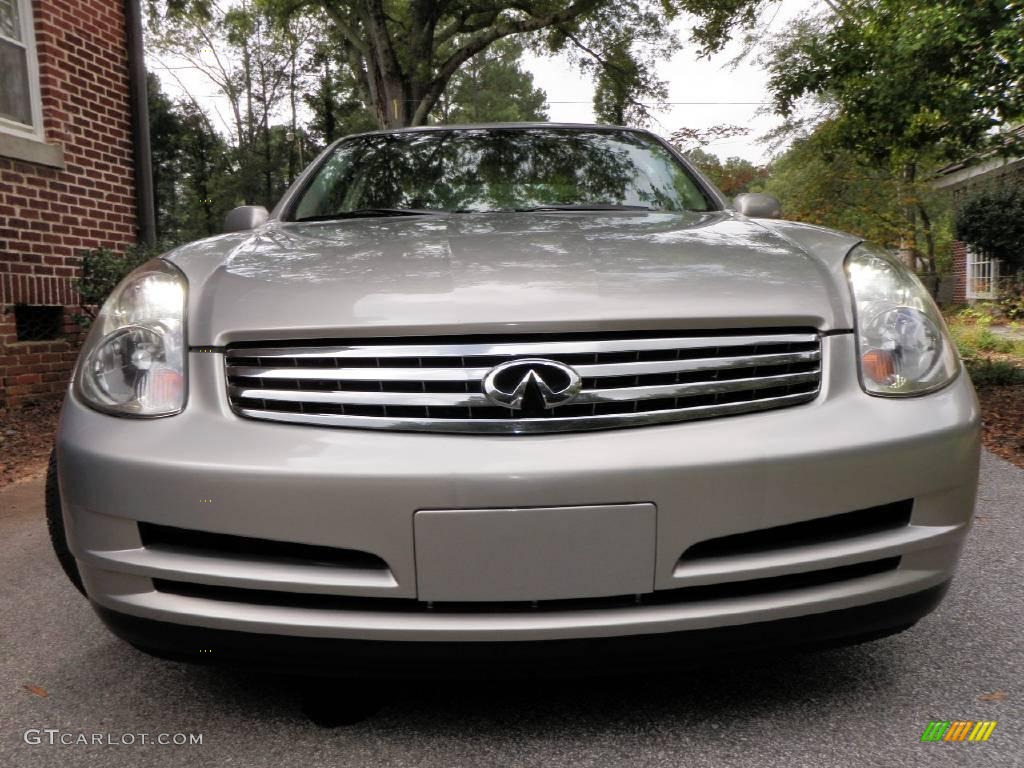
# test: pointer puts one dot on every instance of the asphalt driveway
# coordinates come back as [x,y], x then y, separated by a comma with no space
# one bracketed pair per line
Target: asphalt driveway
[862,706]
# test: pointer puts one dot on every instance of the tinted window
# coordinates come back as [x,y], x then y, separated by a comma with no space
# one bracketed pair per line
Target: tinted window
[475,170]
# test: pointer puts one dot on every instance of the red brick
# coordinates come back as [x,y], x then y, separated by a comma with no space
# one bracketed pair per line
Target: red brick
[47,215]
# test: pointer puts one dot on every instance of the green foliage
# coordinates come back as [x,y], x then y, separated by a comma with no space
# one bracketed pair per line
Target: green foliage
[192,169]
[986,341]
[259,66]
[1011,306]
[619,47]
[404,54]
[819,181]
[977,314]
[974,337]
[992,220]
[102,269]
[493,88]
[908,77]
[732,177]
[906,84]
[1008,309]
[332,97]
[987,372]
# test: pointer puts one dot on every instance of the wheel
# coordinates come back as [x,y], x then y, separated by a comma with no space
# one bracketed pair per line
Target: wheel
[55,524]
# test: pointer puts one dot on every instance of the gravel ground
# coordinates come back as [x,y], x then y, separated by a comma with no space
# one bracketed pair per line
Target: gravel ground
[862,706]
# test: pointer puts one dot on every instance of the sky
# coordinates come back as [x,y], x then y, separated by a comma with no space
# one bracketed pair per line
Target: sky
[705,92]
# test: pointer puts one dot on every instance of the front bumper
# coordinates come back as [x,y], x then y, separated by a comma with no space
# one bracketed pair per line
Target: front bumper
[209,470]
[319,656]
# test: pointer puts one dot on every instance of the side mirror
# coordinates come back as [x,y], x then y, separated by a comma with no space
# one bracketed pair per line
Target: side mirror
[758,206]
[245,217]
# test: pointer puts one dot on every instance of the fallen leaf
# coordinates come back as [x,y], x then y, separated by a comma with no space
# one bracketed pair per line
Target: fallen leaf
[994,696]
[1003,415]
[36,690]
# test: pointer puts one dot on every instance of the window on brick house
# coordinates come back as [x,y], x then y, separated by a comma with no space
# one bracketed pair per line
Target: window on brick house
[35,323]
[982,275]
[20,108]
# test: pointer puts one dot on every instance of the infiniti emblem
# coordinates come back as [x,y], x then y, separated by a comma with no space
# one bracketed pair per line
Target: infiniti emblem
[531,385]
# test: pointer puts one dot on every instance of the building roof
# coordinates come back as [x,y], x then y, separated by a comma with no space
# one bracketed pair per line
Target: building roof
[973,169]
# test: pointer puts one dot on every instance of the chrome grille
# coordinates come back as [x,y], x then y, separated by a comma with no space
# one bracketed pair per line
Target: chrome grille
[435,385]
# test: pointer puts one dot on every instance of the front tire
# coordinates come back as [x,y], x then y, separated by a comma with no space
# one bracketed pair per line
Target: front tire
[55,525]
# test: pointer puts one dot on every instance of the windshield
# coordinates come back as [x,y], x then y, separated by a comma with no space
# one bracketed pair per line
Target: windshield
[476,170]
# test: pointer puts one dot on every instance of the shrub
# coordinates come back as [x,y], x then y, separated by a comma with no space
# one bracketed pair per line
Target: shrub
[992,220]
[986,372]
[973,340]
[986,341]
[1012,307]
[977,314]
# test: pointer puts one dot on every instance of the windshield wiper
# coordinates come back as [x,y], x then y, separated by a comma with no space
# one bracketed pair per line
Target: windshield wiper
[361,213]
[584,207]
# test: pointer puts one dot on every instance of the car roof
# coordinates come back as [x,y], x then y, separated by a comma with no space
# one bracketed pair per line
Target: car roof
[499,126]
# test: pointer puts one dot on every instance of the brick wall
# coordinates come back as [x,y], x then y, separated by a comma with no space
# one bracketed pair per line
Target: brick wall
[959,272]
[47,216]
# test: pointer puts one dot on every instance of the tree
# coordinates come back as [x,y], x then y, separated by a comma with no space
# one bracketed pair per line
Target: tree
[493,88]
[821,182]
[404,54]
[905,81]
[165,134]
[251,61]
[209,185]
[192,176]
[992,220]
[333,99]
[908,76]
[734,176]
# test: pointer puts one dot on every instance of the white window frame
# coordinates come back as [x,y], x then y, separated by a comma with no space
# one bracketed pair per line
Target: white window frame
[28,42]
[982,269]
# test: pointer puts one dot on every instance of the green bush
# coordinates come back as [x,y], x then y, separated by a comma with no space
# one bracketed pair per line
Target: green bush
[976,314]
[1012,307]
[987,341]
[986,372]
[992,220]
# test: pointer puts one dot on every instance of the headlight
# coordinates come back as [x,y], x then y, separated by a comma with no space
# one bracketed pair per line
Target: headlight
[133,362]
[904,348]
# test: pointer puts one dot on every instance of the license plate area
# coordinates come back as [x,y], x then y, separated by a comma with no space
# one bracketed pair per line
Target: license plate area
[535,553]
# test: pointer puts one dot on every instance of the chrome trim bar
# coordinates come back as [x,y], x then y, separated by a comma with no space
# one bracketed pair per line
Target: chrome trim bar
[620,394]
[526,349]
[477,374]
[478,400]
[360,374]
[529,426]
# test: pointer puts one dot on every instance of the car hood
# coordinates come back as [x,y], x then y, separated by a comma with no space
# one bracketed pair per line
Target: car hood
[507,272]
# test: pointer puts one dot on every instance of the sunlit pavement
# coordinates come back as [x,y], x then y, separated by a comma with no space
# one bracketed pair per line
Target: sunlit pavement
[862,706]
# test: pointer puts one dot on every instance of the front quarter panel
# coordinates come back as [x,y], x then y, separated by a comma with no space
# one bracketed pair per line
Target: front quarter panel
[829,248]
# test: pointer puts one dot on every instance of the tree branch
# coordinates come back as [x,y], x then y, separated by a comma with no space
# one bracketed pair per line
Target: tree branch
[478,41]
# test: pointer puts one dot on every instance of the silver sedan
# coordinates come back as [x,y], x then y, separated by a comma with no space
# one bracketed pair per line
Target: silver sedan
[513,395]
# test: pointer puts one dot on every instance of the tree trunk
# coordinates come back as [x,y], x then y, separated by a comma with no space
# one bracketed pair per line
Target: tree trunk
[246,141]
[328,102]
[294,147]
[929,237]
[908,248]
